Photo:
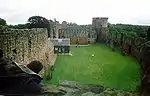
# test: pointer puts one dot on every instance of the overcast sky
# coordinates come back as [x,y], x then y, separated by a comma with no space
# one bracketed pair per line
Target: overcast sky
[79,11]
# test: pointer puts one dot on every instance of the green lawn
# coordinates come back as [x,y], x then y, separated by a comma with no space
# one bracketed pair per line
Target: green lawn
[106,68]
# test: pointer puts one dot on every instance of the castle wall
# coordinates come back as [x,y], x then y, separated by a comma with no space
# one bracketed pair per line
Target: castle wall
[26,45]
[137,47]
[84,33]
[82,40]
[100,25]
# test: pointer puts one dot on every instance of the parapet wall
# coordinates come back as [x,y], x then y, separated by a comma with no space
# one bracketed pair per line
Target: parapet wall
[26,45]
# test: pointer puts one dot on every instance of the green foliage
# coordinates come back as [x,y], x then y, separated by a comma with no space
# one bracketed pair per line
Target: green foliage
[132,30]
[2,22]
[19,26]
[130,33]
[47,74]
[39,22]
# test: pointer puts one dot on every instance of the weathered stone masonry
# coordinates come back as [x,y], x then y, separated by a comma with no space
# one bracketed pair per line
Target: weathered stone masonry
[138,48]
[129,45]
[84,33]
[26,45]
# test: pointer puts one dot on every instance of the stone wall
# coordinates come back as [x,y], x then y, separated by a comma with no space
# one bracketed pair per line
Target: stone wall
[65,30]
[74,33]
[137,47]
[130,45]
[82,40]
[100,26]
[145,70]
[26,45]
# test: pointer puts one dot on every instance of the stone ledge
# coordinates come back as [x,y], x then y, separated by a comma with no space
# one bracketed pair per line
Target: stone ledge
[72,88]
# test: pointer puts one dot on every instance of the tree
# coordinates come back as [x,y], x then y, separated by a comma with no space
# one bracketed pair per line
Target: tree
[64,22]
[2,21]
[19,26]
[142,34]
[39,22]
[135,30]
[148,34]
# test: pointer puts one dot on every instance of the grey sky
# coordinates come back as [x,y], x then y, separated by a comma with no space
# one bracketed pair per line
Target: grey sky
[79,11]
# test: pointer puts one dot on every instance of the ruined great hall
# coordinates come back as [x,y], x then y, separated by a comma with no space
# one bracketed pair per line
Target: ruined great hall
[85,33]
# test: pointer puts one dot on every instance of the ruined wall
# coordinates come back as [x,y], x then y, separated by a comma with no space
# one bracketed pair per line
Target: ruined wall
[138,48]
[134,46]
[84,32]
[75,33]
[100,25]
[128,44]
[145,69]
[26,45]
[82,40]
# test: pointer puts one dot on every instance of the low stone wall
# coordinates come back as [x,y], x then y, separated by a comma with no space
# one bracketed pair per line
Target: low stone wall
[82,40]
[26,45]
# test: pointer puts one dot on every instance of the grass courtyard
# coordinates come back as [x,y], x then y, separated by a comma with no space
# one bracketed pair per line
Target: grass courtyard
[106,68]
